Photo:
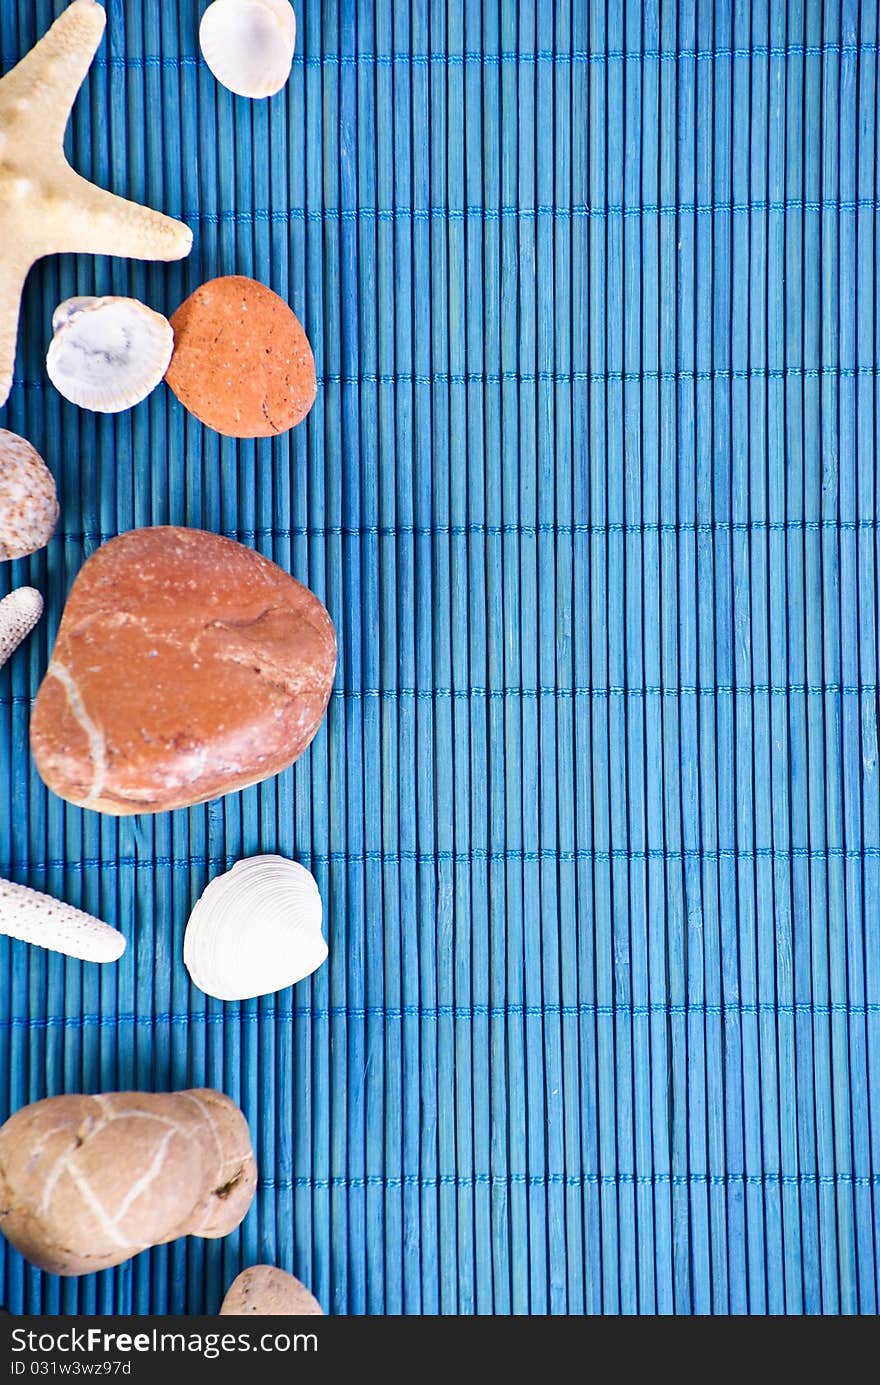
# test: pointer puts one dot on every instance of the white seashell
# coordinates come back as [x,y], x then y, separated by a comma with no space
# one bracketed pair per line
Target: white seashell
[19,613]
[37,918]
[249,44]
[69,308]
[255,930]
[108,353]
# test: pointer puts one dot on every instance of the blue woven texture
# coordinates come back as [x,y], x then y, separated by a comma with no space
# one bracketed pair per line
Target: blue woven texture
[590,490]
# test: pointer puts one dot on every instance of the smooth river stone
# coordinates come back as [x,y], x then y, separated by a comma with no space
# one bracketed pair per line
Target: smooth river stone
[242,362]
[186,666]
[265,1291]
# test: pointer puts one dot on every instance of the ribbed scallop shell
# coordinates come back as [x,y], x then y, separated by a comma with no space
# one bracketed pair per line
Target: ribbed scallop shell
[249,44]
[255,930]
[108,354]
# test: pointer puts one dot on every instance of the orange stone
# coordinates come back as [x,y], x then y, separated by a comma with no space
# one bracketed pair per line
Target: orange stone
[242,362]
[186,666]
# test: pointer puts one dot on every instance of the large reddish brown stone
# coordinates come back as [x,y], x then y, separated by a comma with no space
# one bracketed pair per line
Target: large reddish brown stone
[186,666]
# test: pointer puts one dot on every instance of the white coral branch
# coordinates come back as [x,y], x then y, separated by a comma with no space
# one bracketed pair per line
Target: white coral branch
[38,918]
[19,613]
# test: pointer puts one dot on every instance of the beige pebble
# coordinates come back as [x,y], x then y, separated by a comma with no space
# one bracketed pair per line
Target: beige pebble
[86,1182]
[266,1291]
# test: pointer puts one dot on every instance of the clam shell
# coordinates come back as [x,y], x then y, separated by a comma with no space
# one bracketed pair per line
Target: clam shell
[249,44]
[255,930]
[108,353]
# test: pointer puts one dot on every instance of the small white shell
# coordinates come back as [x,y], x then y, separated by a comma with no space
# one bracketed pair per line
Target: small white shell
[108,353]
[249,44]
[255,930]
[37,918]
[19,613]
[69,308]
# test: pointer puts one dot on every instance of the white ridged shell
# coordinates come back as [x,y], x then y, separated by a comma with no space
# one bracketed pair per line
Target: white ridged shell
[19,613]
[255,930]
[108,354]
[249,45]
[69,309]
[37,918]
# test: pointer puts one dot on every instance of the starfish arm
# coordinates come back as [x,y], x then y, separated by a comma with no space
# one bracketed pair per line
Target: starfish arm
[95,222]
[45,83]
[12,277]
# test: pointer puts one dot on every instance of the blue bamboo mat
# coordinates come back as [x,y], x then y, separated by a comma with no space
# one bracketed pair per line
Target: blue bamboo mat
[590,490]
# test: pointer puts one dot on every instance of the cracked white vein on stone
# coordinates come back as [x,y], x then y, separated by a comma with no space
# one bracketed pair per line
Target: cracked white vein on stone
[97,746]
[46,208]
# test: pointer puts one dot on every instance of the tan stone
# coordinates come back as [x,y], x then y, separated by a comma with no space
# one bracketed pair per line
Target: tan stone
[266,1291]
[88,1181]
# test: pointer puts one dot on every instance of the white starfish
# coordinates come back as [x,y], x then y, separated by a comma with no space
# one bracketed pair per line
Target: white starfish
[45,207]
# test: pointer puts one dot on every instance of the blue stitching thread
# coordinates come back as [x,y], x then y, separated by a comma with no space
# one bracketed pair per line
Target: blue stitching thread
[475,529]
[510,856]
[538,57]
[578,211]
[601,377]
[682,375]
[563,694]
[360,215]
[458,1013]
[577,1180]
[623,1178]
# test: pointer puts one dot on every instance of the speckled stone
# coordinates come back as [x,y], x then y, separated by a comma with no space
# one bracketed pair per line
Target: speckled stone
[28,502]
[186,666]
[265,1291]
[242,362]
